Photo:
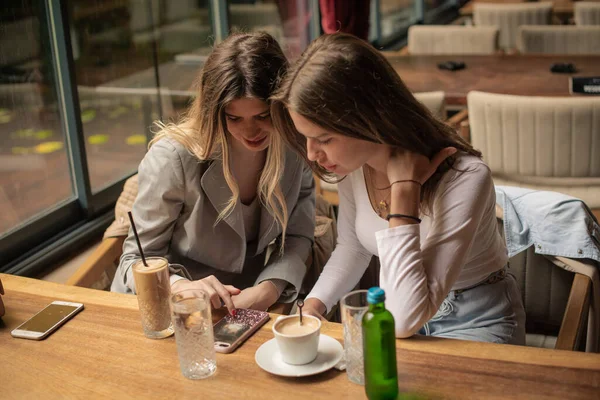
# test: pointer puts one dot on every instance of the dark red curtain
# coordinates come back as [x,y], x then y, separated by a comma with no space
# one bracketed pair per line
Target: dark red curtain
[350,16]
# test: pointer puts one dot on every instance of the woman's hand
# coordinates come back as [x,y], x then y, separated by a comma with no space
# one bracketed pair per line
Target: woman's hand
[406,165]
[216,290]
[259,297]
[314,307]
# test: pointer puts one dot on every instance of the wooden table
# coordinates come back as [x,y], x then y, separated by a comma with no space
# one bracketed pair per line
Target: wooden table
[527,75]
[509,74]
[103,353]
[561,8]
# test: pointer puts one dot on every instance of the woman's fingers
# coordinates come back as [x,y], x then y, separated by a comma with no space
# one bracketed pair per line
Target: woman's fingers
[225,295]
[221,292]
[215,300]
[218,293]
[232,290]
[242,300]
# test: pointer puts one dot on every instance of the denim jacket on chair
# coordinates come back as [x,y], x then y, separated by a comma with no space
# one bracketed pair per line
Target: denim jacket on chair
[556,224]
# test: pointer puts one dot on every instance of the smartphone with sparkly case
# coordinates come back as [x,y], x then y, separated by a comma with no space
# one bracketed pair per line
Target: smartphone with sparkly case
[232,330]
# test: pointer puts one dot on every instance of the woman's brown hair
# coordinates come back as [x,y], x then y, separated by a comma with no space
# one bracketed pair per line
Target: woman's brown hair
[243,65]
[344,85]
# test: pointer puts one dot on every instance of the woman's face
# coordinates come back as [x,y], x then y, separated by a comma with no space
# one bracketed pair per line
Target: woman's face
[335,152]
[249,122]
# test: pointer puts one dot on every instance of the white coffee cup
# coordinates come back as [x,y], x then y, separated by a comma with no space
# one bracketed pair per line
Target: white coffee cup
[297,348]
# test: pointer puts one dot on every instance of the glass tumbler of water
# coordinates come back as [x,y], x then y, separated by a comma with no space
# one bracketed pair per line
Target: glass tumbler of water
[192,320]
[353,306]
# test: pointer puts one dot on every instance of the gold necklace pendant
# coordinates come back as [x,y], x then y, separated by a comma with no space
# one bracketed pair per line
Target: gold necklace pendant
[383,206]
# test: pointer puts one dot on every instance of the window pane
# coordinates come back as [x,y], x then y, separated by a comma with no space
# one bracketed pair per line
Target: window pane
[185,40]
[286,20]
[34,168]
[396,16]
[114,54]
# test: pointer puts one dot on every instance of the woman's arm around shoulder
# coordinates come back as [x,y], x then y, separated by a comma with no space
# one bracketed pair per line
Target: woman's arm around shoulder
[418,277]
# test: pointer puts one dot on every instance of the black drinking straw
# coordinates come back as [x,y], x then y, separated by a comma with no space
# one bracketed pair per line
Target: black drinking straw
[137,238]
[300,305]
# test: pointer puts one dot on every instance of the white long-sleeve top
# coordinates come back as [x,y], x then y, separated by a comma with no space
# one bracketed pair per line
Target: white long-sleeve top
[456,246]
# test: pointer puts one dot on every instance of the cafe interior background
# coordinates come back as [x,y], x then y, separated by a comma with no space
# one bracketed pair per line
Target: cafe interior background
[81,82]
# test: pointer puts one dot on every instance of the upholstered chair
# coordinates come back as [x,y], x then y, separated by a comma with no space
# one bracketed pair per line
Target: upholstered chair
[508,17]
[449,39]
[544,143]
[587,13]
[564,39]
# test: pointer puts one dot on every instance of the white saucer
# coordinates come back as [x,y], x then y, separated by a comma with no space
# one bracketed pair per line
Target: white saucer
[330,352]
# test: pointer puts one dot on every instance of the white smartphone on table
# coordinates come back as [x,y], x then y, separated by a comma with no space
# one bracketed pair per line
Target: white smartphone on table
[47,321]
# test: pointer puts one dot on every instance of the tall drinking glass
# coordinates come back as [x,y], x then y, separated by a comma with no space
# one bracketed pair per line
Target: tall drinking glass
[190,312]
[353,306]
[153,290]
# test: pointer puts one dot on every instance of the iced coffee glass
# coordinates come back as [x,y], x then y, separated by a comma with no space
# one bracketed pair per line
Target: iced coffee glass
[153,290]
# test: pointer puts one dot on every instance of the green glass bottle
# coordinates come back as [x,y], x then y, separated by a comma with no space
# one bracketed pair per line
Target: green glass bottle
[379,348]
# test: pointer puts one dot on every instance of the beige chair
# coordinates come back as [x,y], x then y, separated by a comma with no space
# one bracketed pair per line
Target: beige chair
[557,298]
[508,17]
[587,13]
[449,39]
[435,102]
[559,39]
[543,143]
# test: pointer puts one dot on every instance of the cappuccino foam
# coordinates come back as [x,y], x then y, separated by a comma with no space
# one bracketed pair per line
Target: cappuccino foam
[292,327]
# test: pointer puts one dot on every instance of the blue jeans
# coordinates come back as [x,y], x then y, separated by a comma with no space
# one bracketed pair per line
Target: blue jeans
[491,311]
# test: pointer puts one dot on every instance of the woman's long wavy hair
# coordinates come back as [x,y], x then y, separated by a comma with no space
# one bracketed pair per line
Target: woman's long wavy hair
[243,65]
[344,85]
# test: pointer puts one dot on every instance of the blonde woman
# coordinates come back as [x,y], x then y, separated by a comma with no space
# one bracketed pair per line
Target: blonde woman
[218,188]
[415,194]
